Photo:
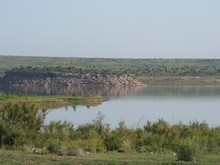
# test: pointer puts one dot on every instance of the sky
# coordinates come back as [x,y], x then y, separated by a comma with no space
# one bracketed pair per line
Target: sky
[111,28]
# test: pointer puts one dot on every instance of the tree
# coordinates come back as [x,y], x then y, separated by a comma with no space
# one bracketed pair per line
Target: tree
[20,124]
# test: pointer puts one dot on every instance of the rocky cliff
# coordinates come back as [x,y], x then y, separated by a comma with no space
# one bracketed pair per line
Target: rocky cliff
[71,80]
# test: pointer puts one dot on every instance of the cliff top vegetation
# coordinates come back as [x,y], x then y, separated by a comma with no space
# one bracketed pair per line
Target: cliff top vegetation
[120,66]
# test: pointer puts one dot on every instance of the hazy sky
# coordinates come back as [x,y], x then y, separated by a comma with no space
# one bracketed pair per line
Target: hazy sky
[111,28]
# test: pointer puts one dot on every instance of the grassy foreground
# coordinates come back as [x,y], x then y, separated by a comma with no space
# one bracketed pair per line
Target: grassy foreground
[22,130]
[18,157]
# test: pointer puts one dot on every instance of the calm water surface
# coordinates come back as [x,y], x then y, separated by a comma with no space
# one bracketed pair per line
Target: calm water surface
[137,106]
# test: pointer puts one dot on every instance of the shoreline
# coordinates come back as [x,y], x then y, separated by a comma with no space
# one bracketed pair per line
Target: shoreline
[181,80]
[48,102]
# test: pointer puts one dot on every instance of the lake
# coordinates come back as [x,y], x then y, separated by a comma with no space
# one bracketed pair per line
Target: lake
[136,106]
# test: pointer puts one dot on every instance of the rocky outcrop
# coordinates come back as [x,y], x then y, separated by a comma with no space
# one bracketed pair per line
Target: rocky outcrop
[84,80]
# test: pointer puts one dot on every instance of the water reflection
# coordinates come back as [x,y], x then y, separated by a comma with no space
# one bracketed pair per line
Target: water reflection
[173,104]
[149,91]
[75,107]
[181,91]
[79,90]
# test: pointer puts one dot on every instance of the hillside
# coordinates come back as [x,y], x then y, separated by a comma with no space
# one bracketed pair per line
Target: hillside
[108,66]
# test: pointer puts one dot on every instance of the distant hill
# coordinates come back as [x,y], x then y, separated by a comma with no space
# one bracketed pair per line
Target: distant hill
[108,66]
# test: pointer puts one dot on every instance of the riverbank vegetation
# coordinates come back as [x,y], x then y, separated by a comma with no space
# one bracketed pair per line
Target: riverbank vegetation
[51,101]
[22,128]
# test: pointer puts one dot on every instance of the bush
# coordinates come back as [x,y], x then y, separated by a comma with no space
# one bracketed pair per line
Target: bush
[100,149]
[185,153]
[189,148]
[20,124]
[112,143]
[121,137]
[53,147]
[142,149]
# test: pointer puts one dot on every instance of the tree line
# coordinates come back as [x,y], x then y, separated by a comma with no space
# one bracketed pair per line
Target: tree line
[136,67]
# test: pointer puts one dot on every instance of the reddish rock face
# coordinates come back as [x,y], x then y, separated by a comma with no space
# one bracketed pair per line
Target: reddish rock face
[85,79]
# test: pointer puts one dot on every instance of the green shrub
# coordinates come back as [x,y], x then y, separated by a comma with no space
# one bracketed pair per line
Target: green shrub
[189,148]
[53,147]
[141,149]
[100,149]
[20,124]
[112,143]
[185,153]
